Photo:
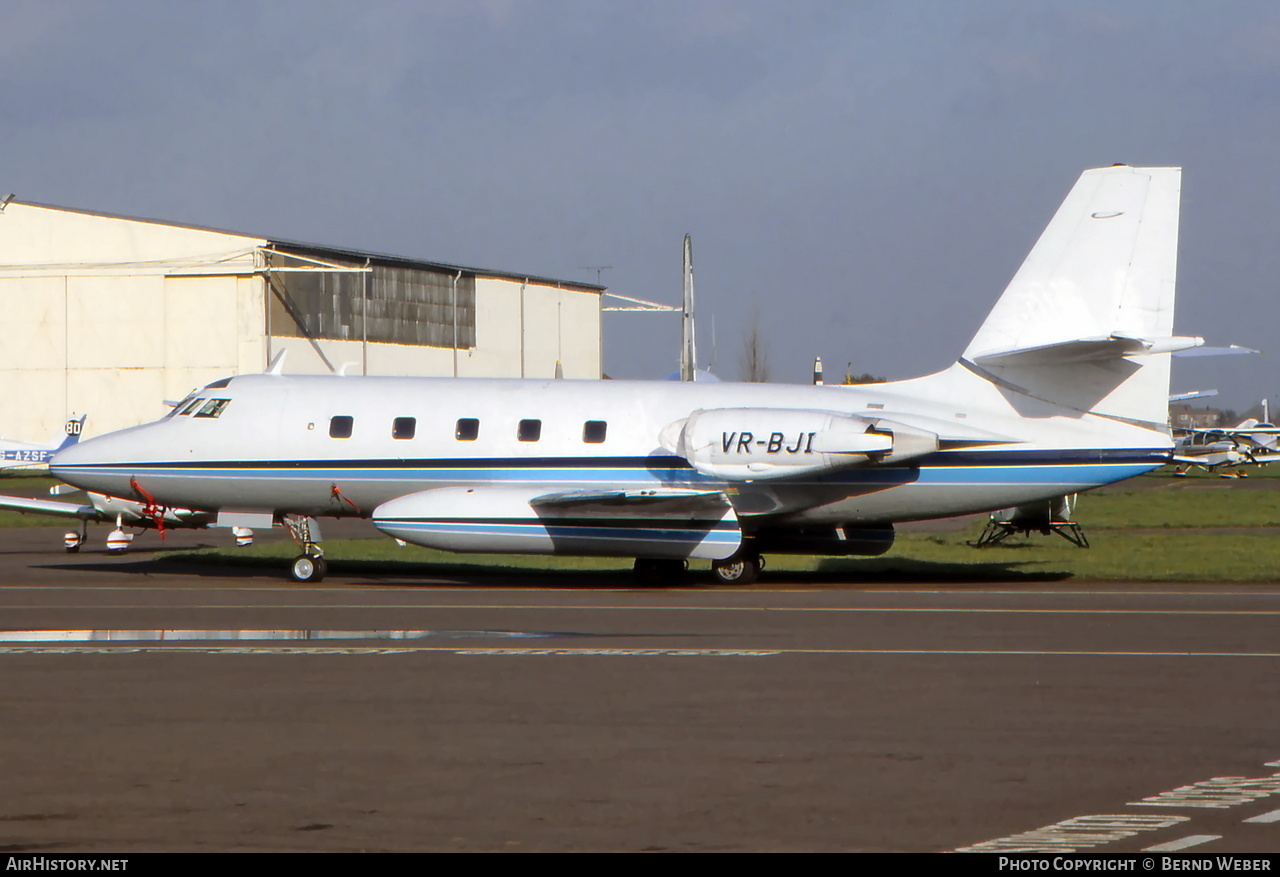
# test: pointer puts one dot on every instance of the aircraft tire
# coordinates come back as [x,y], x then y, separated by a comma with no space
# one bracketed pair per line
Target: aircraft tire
[741,569]
[307,568]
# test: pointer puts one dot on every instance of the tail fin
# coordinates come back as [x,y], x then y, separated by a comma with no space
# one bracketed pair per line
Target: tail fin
[1085,321]
[72,429]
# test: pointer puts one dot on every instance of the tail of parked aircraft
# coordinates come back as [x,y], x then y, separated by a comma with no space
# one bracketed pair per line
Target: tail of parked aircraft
[1084,322]
[72,429]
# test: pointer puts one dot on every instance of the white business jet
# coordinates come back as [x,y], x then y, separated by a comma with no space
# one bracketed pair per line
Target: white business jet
[1064,388]
[26,456]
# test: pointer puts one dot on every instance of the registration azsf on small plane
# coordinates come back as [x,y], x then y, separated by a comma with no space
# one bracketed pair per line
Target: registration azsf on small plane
[1064,388]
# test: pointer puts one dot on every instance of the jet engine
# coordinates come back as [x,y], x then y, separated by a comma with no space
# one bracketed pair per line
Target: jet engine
[745,444]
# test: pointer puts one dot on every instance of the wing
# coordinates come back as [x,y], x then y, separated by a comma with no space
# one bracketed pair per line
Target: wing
[25,505]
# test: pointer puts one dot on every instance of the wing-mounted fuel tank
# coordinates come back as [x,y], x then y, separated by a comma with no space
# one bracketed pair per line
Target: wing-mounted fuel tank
[660,522]
[745,444]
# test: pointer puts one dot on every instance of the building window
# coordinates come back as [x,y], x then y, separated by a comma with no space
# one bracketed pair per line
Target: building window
[529,431]
[340,426]
[404,427]
[593,431]
[468,429]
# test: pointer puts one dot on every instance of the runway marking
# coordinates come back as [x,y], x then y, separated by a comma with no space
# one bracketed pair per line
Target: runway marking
[1218,793]
[191,635]
[375,650]
[641,608]
[1091,831]
[1192,840]
[1070,835]
[958,591]
[644,652]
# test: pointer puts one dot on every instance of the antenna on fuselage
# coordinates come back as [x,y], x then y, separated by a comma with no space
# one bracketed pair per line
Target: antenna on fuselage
[688,339]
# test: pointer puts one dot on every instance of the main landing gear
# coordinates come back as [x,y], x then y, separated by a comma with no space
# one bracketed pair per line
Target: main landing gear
[309,566]
[742,568]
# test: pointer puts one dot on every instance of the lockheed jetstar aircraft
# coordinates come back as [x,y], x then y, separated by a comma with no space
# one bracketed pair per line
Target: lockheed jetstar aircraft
[1063,388]
[16,455]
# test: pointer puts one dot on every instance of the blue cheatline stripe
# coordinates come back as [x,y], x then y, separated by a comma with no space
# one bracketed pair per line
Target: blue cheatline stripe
[424,479]
[1072,469]
[540,531]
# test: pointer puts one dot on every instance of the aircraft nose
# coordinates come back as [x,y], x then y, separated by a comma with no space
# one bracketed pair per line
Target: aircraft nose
[93,464]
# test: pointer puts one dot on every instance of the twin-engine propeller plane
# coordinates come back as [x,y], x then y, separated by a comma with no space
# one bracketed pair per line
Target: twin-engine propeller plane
[138,515]
[1063,388]
[25,456]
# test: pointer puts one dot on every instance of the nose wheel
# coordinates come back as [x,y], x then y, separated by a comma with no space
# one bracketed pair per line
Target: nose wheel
[310,565]
[308,568]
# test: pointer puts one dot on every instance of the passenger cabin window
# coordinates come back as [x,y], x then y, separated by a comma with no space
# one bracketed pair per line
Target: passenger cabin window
[404,427]
[468,429]
[213,408]
[529,431]
[192,406]
[340,426]
[593,431]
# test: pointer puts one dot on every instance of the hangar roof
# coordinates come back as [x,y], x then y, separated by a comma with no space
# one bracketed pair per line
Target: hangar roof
[313,249]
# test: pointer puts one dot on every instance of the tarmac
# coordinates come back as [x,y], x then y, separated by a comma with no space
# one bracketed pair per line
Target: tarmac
[155,705]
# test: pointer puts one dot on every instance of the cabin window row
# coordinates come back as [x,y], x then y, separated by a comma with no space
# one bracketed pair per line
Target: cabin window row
[467,429]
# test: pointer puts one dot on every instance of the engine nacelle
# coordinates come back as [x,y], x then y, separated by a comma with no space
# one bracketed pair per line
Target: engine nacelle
[745,444]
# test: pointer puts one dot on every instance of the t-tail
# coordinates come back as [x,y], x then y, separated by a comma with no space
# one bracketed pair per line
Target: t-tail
[1086,321]
[71,430]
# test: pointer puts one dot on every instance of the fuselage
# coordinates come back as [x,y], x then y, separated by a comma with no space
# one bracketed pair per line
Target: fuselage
[341,446]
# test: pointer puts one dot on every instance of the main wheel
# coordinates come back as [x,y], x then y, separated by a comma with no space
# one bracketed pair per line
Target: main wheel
[308,568]
[741,569]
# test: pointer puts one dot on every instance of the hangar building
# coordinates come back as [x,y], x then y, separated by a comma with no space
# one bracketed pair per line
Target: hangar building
[109,316]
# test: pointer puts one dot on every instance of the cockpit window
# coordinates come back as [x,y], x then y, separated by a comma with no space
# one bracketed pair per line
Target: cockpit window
[191,406]
[213,408]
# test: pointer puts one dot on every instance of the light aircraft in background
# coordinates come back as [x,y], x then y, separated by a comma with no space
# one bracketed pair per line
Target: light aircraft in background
[138,515]
[1064,388]
[25,456]
[1251,442]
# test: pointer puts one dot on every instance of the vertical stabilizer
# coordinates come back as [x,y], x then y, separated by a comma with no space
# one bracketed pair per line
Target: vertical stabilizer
[1087,322]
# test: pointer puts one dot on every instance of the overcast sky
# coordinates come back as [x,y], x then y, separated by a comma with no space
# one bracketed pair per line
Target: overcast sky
[863,176]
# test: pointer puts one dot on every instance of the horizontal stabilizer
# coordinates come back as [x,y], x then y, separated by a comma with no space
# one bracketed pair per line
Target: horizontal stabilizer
[1088,349]
[1230,350]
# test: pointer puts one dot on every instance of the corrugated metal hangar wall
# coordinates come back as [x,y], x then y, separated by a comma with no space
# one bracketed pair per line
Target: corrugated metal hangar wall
[109,316]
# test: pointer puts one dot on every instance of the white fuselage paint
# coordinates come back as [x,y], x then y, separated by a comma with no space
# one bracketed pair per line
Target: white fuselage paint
[271,449]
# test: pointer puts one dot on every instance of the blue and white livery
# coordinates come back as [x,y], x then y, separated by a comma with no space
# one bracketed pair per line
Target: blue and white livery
[1063,388]
[25,456]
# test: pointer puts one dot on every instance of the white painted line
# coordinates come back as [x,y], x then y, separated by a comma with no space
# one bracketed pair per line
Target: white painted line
[624,607]
[1190,841]
[641,652]
[1274,815]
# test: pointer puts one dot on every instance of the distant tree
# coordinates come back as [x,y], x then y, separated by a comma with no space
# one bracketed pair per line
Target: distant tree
[867,378]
